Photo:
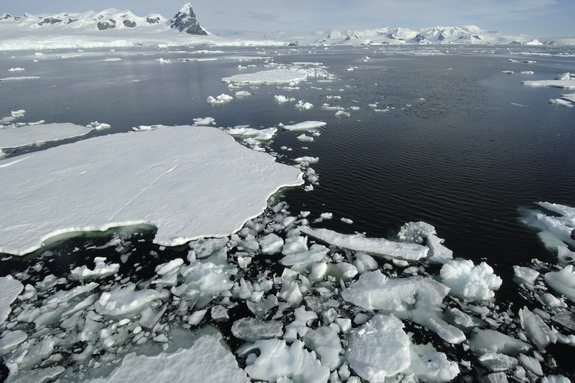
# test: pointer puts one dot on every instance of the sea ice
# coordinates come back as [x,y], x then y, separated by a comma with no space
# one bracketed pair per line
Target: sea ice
[429,365]
[205,121]
[208,360]
[221,99]
[10,289]
[101,270]
[126,300]
[564,81]
[15,137]
[276,360]
[379,349]
[537,330]
[252,329]
[282,99]
[306,125]
[473,283]
[562,281]
[374,246]
[172,178]
[273,76]
[19,78]
[485,341]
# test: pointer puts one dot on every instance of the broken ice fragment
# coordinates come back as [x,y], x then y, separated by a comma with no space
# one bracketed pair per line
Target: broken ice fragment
[469,281]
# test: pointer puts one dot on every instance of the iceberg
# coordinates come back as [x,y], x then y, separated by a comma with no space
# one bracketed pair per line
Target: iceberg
[189,182]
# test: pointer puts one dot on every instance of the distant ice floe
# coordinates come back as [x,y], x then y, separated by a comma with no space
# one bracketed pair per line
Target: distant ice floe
[18,136]
[280,99]
[221,99]
[567,100]
[20,78]
[306,125]
[273,76]
[155,162]
[564,81]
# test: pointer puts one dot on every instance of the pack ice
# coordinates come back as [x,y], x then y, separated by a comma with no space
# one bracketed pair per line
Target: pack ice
[18,136]
[189,182]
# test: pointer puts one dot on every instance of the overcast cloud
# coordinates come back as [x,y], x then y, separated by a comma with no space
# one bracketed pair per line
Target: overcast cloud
[533,17]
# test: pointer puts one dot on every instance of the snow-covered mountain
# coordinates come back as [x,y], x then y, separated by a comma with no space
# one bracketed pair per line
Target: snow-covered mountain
[469,34]
[110,19]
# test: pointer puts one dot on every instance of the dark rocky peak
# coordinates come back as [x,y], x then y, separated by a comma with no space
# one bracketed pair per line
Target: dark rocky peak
[185,21]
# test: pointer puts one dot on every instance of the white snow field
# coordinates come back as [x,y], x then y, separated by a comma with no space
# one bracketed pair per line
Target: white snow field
[17,136]
[171,178]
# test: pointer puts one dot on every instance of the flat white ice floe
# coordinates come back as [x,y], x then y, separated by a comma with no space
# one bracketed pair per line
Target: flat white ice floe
[206,361]
[374,246]
[273,76]
[189,182]
[19,136]
[19,78]
[564,81]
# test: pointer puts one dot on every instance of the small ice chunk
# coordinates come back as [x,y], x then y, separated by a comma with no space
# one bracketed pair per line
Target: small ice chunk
[294,245]
[243,93]
[252,329]
[221,99]
[197,317]
[303,105]
[496,362]
[281,99]
[525,275]
[537,330]
[204,121]
[10,289]
[101,270]
[342,114]
[325,342]
[304,138]
[271,244]
[429,365]
[555,379]
[125,300]
[484,341]
[299,326]
[379,349]
[473,283]
[531,364]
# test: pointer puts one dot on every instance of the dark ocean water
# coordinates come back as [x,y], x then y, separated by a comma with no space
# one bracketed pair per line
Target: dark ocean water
[462,147]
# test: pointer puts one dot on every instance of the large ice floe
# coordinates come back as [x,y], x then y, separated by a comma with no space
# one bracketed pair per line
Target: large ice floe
[162,177]
[564,81]
[17,136]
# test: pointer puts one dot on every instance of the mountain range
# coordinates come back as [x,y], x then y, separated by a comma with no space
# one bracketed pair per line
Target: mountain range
[115,28]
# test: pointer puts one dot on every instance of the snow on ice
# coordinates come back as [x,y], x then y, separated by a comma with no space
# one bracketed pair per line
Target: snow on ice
[155,163]
[273,76]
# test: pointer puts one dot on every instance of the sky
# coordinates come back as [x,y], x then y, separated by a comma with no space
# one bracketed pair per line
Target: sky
[537,18]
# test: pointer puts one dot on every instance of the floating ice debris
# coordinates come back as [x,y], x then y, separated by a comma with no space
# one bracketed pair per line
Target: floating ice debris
[10,289]
[525,275]
[243,93]
[507,71]
[424,233]
[346,220]
[17,69]
[101,270]
[473,283]
[10,340]
[274,76]
[164,61]
[252,329]
[271,244]
[205,121]
[98,125]
[374,246]
[564,81]
[277,360]
[206,361]
[20,78]
[561,102]
[221,99]
[485,341]
[112,59]
[527,72]
[126,300]
[305,138]
[302,105]
[257,134]
[151,169]
[429,365]
[282,99]
[537,330]
[306,160]
[341,113]
[306,125]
